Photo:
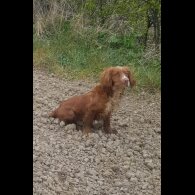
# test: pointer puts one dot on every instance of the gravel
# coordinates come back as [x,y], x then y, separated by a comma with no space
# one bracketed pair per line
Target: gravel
[65,162]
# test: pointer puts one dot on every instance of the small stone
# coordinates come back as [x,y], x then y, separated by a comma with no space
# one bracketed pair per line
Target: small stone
[69,136]
[149,163]
[158,130]
[51,119]
[104,138]
[70,127]
[58,189]
[97,160]
[51,127]
[103,150]
[44,114]
[107,173]
[142,120]
[126,141]
[89,143]
[144,185]
[133,179]
[92,172]
[127,159]
[118,183]
[115,169]
[124,189]
[129,153]
[100,182]
[137,148]
[126,167]
[123,124]
[56,121]
[62,123]
[81,147]
[44,120]
[45,102]
[145,154]
[129,174]
[100,133]
[116,142]
[126,182]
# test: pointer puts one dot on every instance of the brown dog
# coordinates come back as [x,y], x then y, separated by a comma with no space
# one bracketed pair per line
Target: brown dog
[99,102]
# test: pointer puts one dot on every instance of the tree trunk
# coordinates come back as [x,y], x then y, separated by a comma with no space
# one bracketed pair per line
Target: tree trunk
[158,34]
[156,30]
[146,32]
[102,19]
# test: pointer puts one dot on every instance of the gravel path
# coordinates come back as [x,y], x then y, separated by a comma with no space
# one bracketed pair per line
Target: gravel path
[67,163]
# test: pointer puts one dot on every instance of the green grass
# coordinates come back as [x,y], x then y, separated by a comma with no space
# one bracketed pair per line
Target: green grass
[84,55]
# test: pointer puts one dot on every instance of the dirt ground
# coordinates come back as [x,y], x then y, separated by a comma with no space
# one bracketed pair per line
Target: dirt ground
[67,163]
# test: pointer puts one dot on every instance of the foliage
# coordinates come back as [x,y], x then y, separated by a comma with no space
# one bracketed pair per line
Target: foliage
[82,37]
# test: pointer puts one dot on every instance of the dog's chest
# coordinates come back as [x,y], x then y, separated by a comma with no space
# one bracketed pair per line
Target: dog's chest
[112,104]
[108,108]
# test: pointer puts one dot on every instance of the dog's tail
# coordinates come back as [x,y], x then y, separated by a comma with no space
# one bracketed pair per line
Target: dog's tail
[53,114]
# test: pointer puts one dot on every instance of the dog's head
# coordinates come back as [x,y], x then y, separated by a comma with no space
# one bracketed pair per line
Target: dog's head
[118,77]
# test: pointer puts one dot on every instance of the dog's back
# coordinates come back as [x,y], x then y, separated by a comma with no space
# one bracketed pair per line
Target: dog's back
[97,103]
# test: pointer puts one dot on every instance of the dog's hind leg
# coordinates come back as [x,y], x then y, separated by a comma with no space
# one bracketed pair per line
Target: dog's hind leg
[88,122]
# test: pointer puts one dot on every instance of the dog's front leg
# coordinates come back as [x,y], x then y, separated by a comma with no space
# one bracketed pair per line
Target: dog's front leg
[107,127]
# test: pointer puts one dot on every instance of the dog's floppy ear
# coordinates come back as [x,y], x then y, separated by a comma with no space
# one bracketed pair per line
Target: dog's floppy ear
[129,74]
[106,78]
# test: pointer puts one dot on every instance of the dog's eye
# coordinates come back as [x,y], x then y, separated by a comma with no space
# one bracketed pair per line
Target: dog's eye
[126,74]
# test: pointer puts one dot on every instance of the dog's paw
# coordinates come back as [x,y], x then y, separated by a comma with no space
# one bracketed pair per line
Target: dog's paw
[114,131]
[111,131]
